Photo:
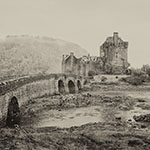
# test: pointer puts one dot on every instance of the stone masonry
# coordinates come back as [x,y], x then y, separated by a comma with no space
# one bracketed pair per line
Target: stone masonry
[113,59]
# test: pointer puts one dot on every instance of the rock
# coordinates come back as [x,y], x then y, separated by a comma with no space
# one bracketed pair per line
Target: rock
[134,126]
[107,99]
[140,100]
[125,108]
[129,120]
[117,99]
[144,106]
[134,143]
[118,118]
[89,95]
[142,118]
[143,126]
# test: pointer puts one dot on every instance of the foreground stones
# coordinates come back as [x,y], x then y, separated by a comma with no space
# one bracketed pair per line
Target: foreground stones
[94,136]
[108,135]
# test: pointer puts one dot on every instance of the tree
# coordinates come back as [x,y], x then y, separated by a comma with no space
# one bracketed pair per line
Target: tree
[137,72]
[146,69]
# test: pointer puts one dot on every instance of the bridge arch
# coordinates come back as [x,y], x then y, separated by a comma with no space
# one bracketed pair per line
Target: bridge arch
[28,87]
[79,85]
[61,86]
[13,113]
[71,87]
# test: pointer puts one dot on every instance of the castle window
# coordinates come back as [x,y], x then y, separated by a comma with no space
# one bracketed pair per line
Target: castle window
[116,55]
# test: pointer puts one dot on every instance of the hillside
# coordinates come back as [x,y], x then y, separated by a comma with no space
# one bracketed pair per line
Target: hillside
[25,55]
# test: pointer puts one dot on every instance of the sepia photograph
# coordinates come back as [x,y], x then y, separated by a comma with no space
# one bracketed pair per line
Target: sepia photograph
[74,75]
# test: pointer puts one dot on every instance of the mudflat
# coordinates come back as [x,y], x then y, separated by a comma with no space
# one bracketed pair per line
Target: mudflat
[102,117]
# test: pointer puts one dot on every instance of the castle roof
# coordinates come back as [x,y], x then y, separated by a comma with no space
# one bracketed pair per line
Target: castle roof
[111,40]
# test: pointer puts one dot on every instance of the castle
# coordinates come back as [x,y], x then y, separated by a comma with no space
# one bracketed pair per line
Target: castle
[113,59]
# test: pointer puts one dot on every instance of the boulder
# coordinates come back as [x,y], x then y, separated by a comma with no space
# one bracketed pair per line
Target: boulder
[142,118]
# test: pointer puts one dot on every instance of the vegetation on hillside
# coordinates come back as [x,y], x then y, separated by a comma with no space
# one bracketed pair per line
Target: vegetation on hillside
[26,55]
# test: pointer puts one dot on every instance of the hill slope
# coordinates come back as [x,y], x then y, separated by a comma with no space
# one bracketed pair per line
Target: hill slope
[25,55]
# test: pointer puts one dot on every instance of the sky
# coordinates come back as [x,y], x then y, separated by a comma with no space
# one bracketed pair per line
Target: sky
[85,22]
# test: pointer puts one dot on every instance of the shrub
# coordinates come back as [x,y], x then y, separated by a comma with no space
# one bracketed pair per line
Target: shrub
[137,72]
[103,79]
[128,71]
[146,69]
[132,80]
[138,76]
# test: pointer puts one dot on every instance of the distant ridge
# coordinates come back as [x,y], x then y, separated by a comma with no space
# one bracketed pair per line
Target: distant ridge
[27,55]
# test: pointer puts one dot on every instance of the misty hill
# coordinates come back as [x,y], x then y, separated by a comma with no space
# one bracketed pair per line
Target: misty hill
[26,55]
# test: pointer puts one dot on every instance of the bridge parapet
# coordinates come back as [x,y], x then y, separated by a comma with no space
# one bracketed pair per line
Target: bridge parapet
[16,83]
[27,88]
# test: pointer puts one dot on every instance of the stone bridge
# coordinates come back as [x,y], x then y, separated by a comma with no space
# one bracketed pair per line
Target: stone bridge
[27,88]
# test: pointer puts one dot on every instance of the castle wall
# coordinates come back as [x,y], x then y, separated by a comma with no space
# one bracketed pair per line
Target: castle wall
[113,59]
[71,65]
[114,50]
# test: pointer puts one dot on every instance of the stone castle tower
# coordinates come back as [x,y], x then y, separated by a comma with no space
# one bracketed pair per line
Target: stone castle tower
[113,59]
[114,52]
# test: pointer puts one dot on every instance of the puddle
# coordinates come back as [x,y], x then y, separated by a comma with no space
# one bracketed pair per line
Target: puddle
[81,116]
[72,117]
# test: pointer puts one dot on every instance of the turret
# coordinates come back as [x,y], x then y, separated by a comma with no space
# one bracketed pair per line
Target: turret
[115,37]
[71,55]
[63,65]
